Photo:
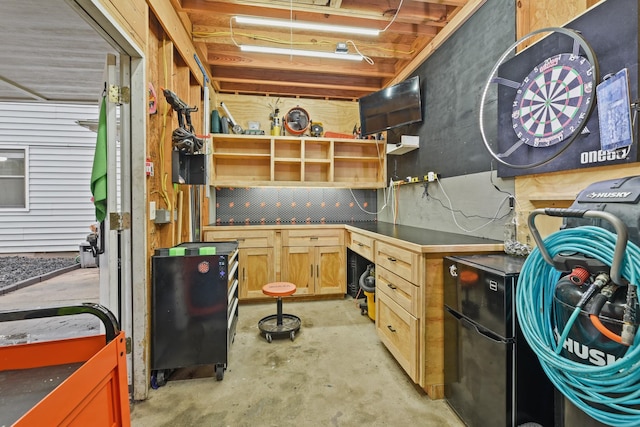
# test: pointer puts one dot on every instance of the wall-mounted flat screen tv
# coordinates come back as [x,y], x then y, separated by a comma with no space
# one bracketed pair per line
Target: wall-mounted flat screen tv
[391,107]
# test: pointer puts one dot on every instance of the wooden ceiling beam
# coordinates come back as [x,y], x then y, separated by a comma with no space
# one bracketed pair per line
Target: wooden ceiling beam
[217,40]
[304,79]
[199,10]
[456,3]
[408,27]
[291,91]
[280,62]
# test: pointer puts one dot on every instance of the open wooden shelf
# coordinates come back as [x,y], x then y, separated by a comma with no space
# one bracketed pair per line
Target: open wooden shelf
[250,160]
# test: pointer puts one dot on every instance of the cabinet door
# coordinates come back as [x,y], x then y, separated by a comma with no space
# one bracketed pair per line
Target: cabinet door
[256,270]
[330,270]
[298,267]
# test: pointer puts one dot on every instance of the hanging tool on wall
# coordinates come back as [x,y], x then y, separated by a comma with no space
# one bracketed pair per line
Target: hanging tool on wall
[235,126]
[183,137]
[274,119]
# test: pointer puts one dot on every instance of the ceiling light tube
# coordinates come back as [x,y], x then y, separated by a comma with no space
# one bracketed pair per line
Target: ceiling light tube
[299,52]
[283,23]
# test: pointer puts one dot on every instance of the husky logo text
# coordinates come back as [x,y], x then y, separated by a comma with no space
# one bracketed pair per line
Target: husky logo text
[592,355]
[609,195]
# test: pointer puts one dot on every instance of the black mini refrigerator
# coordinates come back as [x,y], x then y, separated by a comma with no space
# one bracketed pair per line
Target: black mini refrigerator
[194,306]
[492,377]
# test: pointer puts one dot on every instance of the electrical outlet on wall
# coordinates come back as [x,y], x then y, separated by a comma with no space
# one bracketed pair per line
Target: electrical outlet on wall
[152,211]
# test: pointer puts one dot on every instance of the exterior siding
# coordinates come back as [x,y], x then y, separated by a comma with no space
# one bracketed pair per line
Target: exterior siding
[60,160]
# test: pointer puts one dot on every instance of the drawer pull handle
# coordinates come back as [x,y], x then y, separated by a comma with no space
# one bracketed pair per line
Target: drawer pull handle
[360,244]
[391,328]
[392,286]
[391,259]
[313,238]
[311,274]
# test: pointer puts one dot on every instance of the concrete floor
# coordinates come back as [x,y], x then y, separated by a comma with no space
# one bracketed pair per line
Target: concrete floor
[335,373]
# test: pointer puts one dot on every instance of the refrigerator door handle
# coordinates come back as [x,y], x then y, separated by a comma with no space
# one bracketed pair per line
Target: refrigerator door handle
[486,333]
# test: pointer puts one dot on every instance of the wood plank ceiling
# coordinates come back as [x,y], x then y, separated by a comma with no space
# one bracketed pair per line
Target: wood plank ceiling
[415,29]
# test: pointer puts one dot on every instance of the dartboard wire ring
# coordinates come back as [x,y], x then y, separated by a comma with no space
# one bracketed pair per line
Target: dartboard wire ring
[591,57]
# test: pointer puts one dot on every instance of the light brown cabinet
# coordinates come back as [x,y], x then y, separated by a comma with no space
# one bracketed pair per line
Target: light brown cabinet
[314,260]
[398,314]
[409,301]
[261,160]
[311,257]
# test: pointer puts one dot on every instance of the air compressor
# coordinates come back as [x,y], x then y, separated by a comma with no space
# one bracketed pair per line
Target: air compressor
[597,336]
[577,301]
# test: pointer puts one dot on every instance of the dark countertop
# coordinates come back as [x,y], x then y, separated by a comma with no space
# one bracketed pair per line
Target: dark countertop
[422,237]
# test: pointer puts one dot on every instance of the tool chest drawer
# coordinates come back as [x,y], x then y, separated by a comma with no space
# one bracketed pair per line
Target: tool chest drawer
[402,292]
[398,260]
[398,330]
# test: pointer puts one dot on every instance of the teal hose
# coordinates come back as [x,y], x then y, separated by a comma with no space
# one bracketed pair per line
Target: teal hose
[610,393]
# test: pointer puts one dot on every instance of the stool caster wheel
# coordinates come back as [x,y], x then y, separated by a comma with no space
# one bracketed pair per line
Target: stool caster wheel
[268,337]
[292,335]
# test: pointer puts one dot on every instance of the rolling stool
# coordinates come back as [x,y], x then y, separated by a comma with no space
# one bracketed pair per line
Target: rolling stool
[279,325]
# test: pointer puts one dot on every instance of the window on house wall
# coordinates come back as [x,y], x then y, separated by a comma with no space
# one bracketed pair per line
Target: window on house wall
[13,178]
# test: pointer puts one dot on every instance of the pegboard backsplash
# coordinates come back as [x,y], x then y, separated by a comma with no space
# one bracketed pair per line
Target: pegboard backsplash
[294,205]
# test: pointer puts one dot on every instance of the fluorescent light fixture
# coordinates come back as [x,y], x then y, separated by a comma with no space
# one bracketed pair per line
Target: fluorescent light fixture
[3,159]
[299,52]
[283,23]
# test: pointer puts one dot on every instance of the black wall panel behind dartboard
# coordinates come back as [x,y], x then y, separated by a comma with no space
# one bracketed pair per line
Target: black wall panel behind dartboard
[611,30]
[451,81]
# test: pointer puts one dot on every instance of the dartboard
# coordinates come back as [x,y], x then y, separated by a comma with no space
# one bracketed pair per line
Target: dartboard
[553,100]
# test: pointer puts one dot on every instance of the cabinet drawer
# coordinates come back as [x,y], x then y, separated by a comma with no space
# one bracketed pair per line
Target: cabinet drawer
[398,330]
[400,261]
[313,237]
[245,238]
[361,244]
[402,292]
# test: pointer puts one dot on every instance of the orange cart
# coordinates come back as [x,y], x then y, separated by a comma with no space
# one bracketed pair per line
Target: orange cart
[71,382]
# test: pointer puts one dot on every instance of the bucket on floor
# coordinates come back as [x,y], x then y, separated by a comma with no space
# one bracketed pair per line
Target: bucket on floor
[371,304]
[86,256]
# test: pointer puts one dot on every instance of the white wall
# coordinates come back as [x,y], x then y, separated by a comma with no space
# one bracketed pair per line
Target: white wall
[60,160]
[474,195]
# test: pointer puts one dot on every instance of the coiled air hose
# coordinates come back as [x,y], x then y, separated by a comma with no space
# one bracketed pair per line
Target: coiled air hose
[610,393]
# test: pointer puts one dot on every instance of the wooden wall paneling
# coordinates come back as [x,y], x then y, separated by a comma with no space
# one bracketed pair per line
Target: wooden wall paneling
[557,190]
[335,116]
[154,130]
[532,15]
[177,32]
[132,17]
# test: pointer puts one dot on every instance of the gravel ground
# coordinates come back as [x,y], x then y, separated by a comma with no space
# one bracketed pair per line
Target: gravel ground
[14,269]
